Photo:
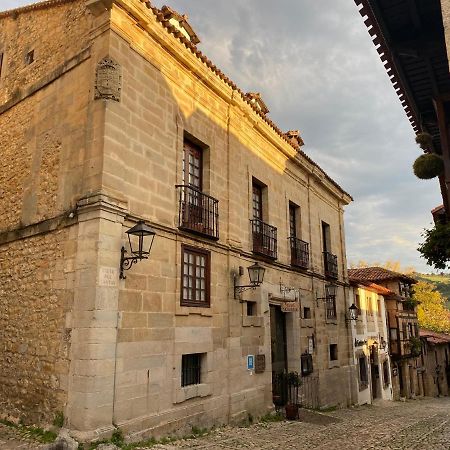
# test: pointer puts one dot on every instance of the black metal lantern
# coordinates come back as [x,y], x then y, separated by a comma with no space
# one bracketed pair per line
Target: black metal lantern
[256,275]
[143,232]
[353,312]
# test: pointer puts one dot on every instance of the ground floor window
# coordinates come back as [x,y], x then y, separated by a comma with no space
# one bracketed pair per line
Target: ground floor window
[333,352]
[191,369]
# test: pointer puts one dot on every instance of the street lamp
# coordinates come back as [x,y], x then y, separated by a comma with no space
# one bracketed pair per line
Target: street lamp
[256,276]
[352,312]
[142,231]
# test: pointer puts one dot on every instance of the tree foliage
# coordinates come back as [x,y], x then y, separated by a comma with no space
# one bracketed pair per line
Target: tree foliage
[431,311]
[436,246]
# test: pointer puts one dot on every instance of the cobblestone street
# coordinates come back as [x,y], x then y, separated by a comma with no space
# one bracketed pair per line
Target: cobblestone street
[416,424]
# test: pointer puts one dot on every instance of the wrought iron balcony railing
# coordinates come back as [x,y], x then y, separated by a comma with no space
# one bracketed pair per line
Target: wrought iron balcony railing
[197,212]
[299,252]
[264,238]
[330,265]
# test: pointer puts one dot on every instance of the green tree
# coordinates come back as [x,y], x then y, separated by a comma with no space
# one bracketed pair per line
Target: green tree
[431,310]
[436,246]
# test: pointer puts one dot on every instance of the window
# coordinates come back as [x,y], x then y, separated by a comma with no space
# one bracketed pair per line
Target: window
[192,165]
[363,373]
[251,308]
[195,270]
[386,377]
[29,57]
[330,306]
[379,307]
[257,201]
[326,238]
[307,364]
[333,352]
[369,305]
[306,312]
[293,213]
[191,369]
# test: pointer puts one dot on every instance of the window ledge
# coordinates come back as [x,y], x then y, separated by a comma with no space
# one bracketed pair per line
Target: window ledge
[192,391]
[252,321]
[333,364]
[331,321]
[184,310]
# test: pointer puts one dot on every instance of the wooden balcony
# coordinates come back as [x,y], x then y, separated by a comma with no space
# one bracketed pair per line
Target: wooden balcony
[264,239]
[330,265]
[197,212]
[299,253]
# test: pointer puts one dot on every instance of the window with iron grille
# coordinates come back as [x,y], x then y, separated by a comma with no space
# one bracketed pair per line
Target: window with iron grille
[330,305]
[191,366]
[363,372]
[195,277]
[251,308]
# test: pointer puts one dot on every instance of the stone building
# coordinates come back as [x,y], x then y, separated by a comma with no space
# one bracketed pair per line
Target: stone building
[111,117]
[370,340]
[404,341]
[435,362]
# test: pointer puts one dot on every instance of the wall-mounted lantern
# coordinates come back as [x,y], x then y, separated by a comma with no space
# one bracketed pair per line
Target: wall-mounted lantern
[256,275]
[352,313]
[143,232]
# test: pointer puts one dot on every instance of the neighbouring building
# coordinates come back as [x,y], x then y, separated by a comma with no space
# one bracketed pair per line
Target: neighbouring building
[403,328]
[435,362]
[112,120]
[370,340]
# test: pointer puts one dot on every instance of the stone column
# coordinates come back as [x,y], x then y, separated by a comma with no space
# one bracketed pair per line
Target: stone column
[94,317]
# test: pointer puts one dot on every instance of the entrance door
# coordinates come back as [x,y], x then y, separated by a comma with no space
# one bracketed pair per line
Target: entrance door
[278,339]
[279,355]
[375,375]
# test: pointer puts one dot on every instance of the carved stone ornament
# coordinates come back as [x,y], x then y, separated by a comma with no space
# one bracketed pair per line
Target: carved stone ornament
[108,82]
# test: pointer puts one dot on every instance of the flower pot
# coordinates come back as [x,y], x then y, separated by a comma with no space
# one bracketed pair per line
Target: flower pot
[291,411]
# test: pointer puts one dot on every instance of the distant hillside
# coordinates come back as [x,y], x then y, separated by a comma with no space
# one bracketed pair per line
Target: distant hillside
[442,283]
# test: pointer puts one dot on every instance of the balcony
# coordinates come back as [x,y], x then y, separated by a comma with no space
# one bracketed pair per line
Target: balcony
[330,265]
[197,212]
[299,252]
[264,239]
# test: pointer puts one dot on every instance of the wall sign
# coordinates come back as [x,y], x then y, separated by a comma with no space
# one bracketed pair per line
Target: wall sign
[359,343]
[260,363]
[250,362]
[289,306]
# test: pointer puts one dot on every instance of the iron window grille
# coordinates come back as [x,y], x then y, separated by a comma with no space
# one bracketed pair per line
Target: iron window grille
[330,265]
[299,252]
[197,212]
[195,277]
[264,238]
[330,307]
[191,369]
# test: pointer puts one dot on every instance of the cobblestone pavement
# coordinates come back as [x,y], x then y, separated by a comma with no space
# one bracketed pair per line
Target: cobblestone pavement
[416,424]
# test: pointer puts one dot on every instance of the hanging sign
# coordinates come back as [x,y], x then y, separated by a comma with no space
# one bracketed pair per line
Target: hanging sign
[289,306]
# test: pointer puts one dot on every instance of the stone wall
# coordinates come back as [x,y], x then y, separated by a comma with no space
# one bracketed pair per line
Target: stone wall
[35,296]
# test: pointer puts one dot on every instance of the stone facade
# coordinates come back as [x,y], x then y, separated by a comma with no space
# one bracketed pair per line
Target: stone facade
[99,145]
[370,338]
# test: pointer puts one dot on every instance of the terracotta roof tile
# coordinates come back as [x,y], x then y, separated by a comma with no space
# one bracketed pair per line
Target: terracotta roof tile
[434,337]
[377,274]
[188,44]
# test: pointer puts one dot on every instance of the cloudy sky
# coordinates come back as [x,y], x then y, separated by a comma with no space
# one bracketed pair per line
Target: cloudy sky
[318,71]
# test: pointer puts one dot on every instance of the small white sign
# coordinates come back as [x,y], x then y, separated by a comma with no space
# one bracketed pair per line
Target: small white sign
[108,276]
[250,362]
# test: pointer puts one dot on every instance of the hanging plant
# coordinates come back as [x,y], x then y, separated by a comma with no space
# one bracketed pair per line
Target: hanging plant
[428,166]
[435,249]
[425,140]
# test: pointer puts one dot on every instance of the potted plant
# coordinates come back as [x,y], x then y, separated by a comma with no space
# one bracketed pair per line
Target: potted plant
[293,380]
[428,166]
[424,140]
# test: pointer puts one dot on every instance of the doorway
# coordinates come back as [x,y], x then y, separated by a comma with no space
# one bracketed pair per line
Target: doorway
[279,355]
